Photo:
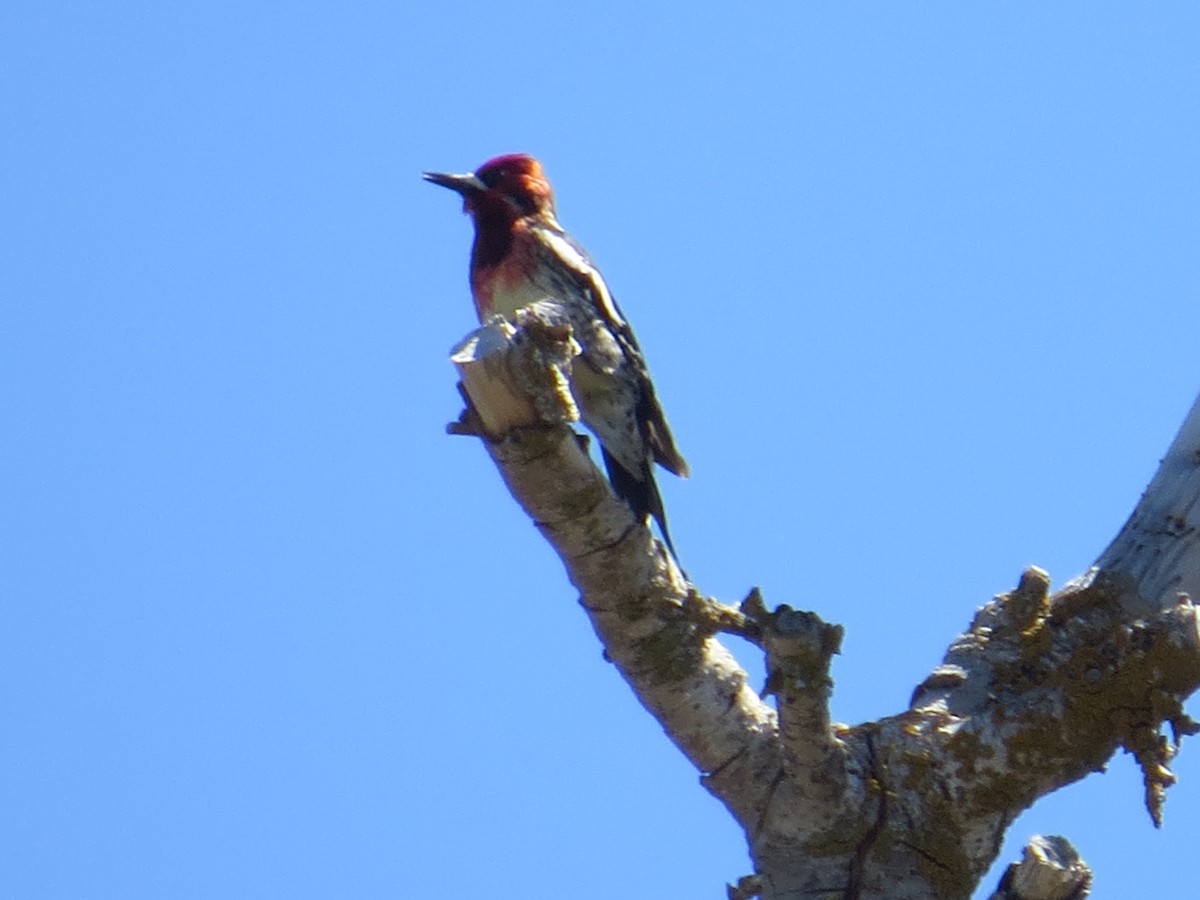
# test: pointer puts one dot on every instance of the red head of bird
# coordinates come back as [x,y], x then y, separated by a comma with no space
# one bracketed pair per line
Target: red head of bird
[502,189]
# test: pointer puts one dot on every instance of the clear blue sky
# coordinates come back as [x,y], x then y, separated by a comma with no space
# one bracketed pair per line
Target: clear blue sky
[918,286]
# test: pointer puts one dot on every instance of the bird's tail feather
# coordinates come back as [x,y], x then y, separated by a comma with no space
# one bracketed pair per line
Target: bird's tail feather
[640,491]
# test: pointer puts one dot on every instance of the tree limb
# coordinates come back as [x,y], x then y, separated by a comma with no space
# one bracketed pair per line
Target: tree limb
[632,590]
[1040,690]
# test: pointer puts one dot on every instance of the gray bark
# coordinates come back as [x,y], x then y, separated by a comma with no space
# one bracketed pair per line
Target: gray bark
[1040,690]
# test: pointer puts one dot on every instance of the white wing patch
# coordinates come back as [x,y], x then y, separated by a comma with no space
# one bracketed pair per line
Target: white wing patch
[573,259]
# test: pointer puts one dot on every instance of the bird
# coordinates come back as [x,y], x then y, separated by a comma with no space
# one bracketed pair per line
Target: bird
[522,256]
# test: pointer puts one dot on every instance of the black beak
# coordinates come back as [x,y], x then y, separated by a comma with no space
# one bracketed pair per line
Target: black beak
[463,184]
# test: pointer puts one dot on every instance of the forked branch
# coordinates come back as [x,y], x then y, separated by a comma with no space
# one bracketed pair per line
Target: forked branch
[1040,690]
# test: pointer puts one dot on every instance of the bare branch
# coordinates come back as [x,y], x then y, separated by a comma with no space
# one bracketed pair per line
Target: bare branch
[1159,547]
[1050,869]
[799,649]
[1039,691]
[641,606]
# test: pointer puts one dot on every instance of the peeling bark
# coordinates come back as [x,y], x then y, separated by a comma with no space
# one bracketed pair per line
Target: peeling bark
[1040,691]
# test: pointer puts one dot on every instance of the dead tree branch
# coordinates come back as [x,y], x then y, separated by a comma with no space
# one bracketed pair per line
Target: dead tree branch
[1039,691]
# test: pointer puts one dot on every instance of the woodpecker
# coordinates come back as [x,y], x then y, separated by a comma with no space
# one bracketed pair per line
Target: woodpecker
[523,256]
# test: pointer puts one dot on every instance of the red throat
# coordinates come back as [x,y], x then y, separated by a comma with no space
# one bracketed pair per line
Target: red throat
[481,290]
[505,277]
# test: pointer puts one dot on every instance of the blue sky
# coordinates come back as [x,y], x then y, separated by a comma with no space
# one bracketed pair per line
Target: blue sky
[918,286]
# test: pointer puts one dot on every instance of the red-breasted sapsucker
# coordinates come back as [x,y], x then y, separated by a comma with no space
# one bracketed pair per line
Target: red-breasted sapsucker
[522,256]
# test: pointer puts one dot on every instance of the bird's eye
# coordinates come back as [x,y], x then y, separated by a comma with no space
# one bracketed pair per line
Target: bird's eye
[492,177]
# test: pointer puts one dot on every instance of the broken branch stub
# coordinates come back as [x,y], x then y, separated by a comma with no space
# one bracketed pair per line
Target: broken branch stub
[517,378]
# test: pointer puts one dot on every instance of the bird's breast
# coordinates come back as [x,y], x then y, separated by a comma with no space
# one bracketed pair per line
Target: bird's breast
[504,288]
